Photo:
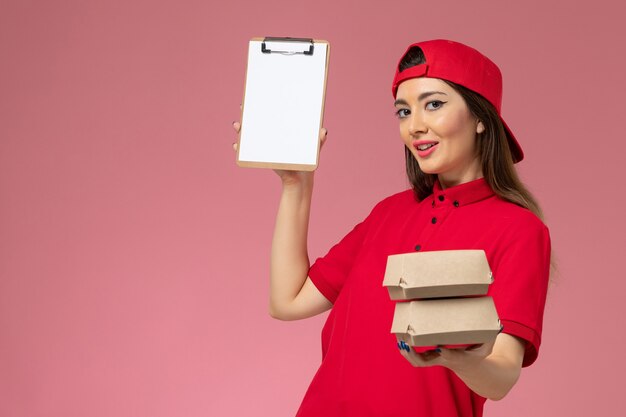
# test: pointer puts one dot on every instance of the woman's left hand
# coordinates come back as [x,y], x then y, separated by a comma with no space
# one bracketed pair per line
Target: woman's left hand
[453,359]
[490,369]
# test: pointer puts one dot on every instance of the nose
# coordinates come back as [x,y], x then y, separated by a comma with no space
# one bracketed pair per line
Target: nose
[416,124]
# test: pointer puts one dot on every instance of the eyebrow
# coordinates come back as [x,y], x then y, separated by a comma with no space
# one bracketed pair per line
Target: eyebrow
[419,98]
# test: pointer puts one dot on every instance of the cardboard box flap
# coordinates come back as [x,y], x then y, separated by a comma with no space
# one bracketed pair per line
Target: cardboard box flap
[446,321]
[452,273]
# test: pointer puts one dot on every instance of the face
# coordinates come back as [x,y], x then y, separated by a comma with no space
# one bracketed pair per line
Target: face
[439,130]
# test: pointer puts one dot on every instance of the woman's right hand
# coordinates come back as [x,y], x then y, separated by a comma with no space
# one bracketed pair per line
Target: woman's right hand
[289,177]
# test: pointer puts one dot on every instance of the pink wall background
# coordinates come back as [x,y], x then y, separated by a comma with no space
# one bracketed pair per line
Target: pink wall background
[134,253]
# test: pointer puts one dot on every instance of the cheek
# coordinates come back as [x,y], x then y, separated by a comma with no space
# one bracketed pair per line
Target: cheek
[449,125]
[404,131]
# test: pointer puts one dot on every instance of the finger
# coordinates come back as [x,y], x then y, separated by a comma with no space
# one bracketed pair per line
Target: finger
[237,126]
[449,354]
[474,347]
[424,359]
[429,355]
[483,349]
[428,358]
[235,146]
[323,136]
[463,355]
[412,357]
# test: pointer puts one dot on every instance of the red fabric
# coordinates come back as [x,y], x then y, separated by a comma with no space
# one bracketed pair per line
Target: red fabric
[362,372]
[459,63]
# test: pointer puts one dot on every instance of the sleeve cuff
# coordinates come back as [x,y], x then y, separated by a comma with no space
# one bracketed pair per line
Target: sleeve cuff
[322,285]
[533,340]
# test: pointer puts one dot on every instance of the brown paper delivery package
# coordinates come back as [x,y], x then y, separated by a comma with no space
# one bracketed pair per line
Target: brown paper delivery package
[448,306]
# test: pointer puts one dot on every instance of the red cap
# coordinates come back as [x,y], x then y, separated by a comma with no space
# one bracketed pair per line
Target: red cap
[463,65]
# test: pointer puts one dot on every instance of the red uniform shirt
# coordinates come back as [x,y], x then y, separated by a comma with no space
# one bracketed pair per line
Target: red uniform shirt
[362,372]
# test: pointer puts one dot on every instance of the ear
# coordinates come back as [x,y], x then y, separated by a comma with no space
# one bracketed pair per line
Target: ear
[480,127]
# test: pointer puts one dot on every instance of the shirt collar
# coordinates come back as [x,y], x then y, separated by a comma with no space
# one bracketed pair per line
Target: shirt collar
[462,194]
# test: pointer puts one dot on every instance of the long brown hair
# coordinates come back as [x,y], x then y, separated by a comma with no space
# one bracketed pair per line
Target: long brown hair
[495,155]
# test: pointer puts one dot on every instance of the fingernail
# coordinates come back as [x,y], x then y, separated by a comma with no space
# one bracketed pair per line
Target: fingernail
[398,344]
[438,350]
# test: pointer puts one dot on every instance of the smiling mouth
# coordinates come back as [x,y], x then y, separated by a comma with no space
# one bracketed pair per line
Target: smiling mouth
[426,146]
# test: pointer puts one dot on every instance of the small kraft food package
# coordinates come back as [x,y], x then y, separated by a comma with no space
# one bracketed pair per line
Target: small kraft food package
[441,299]
[447,273]
[448,322]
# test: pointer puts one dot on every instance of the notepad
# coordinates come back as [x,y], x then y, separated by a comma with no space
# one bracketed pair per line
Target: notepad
[283,105]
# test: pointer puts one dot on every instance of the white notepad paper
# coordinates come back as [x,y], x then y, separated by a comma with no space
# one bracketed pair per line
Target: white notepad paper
[283,105]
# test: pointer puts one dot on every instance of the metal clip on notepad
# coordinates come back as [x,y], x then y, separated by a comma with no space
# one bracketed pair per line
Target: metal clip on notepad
[307,43]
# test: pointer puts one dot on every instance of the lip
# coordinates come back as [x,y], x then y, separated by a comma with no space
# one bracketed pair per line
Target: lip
[428,151]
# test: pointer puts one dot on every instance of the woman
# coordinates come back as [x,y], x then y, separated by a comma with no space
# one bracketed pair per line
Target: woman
[465,195]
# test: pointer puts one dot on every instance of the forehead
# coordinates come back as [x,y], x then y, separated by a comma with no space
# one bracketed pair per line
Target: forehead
[416,86]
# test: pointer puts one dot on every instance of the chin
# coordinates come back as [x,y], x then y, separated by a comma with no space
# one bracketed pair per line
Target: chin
[428,168]
[429,171]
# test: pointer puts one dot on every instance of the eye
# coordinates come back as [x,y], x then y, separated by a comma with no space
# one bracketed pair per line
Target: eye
[402,113]
[434,105]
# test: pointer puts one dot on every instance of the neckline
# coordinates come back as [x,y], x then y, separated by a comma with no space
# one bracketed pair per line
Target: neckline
[462,194]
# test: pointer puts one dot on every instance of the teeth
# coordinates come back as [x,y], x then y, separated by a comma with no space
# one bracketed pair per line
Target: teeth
[426,146]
